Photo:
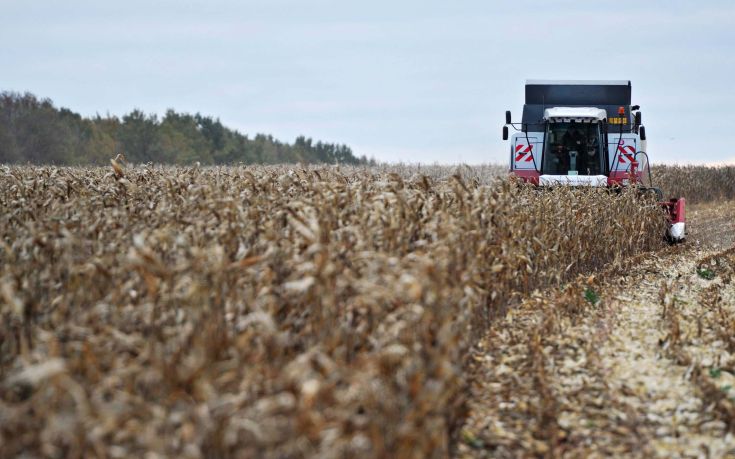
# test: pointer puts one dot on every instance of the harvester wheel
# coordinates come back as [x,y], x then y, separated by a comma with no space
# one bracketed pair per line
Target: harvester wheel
[656,192]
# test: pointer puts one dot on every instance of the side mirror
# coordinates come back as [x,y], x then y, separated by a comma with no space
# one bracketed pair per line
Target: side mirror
[642,132]
[507,117]
[638,118]
[505,132]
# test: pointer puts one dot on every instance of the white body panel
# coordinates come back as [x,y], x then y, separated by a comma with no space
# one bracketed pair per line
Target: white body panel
[626,147]
[573,180]
[523,157]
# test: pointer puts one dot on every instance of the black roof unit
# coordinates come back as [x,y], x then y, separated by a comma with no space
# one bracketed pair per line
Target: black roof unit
[608,95]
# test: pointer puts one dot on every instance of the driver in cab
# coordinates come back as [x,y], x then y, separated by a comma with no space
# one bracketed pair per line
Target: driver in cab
[585,147]
[572,139]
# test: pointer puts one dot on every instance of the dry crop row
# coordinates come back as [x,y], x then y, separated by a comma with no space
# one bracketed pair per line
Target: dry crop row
[484,174]
[523,400]
[269,311]
[696,183]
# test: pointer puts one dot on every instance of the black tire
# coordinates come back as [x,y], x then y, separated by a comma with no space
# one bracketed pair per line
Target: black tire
[655,191]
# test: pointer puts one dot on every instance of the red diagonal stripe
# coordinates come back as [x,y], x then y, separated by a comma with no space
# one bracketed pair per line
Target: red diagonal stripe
[523,153]
[624,156]
[621,157]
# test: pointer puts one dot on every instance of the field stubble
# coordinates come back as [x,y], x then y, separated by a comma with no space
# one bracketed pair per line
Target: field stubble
[270,311]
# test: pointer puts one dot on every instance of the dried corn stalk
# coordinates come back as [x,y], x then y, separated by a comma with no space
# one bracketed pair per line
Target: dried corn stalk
[269,311]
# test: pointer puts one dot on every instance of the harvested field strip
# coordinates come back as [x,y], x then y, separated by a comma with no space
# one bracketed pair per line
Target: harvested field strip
[644,372]
[270,311]
[702,330]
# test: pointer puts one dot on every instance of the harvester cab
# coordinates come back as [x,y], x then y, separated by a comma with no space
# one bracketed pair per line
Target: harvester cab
[585,133]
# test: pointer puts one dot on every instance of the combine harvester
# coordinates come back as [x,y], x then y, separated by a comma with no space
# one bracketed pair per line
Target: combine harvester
[585,133]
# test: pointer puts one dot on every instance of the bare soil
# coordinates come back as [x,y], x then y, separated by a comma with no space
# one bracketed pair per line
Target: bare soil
[638,361]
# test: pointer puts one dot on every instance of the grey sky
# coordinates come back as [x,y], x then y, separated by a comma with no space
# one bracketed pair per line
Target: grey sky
[411,81]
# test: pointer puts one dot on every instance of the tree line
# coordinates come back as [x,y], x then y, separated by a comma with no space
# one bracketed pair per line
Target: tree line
[33,130]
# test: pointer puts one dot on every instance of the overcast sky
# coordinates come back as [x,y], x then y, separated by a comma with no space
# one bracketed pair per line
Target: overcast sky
[414,81]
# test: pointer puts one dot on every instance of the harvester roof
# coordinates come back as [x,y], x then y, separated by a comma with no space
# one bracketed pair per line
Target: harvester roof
[605,95]
[580,114]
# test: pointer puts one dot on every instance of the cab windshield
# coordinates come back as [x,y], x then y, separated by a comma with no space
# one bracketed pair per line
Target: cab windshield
[573,149]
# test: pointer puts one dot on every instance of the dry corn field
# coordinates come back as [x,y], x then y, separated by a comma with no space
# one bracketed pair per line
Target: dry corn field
[287,312]
[699,184]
